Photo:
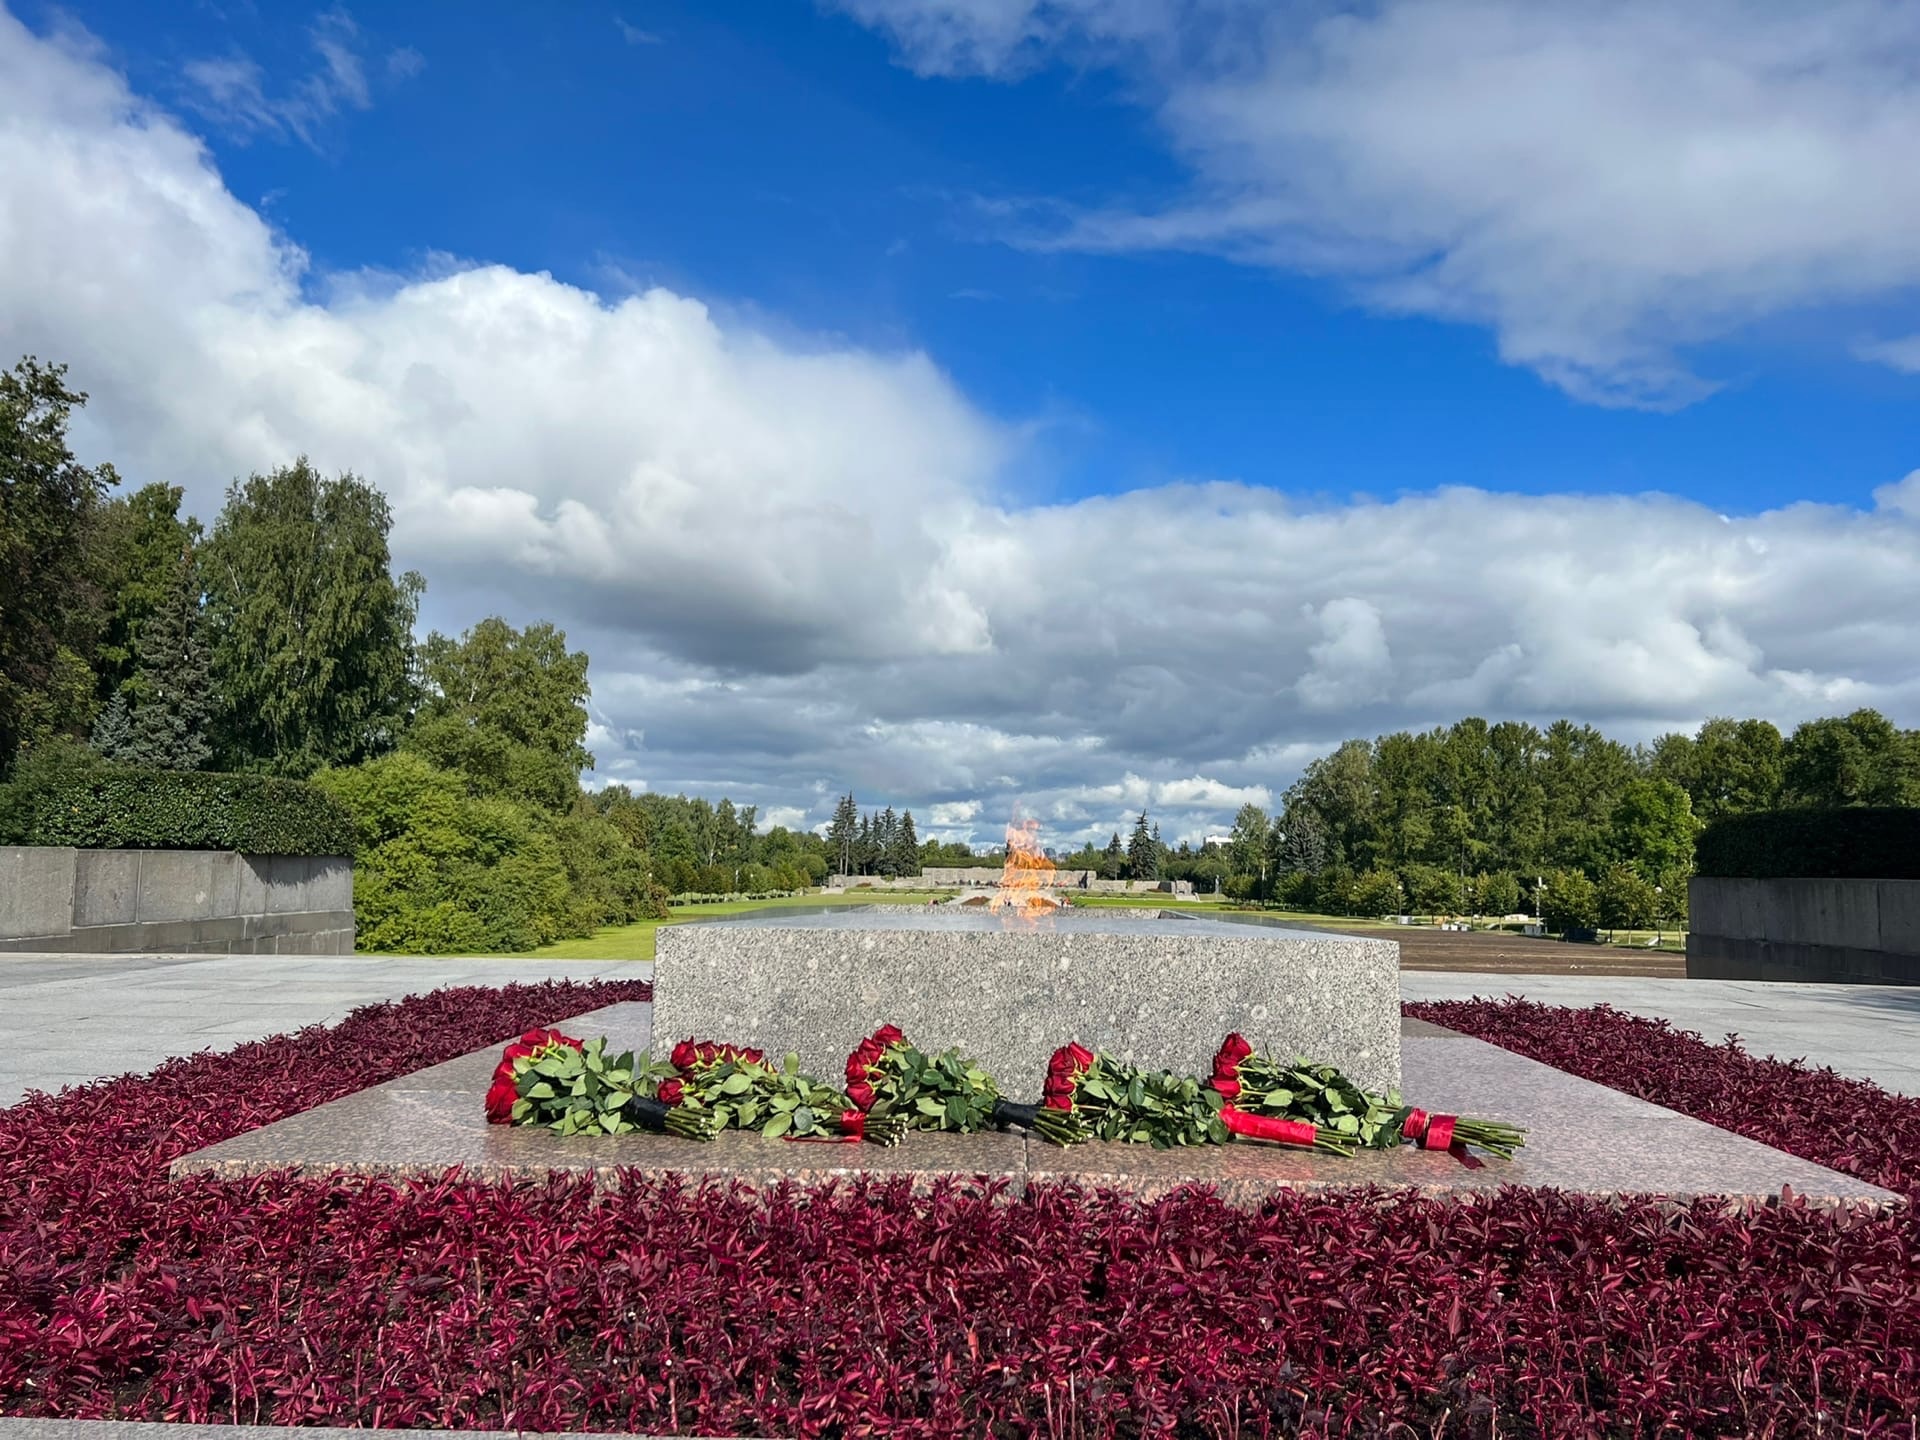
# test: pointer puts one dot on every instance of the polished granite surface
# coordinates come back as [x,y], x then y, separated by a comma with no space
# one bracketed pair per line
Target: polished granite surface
[1582,1137]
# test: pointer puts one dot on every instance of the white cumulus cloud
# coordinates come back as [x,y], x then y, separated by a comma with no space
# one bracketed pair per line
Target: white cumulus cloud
[1601,184]
[789,558]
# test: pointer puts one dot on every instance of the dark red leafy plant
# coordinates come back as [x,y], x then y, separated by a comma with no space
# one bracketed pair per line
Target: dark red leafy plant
[1848,1125]
[867,1310]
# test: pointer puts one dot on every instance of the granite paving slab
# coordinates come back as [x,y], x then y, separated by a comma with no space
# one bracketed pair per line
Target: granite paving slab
[1582,1137]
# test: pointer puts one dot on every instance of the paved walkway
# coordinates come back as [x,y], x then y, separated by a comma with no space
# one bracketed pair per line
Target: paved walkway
[130,1012]
[133,1011]
[1872,1031]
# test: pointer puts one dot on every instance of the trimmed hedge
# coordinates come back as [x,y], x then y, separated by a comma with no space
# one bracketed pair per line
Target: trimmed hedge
[113,807]
[1861,843]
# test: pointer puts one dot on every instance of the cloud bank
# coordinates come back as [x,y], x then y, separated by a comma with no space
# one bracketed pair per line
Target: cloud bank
[1601,185]
[791,561]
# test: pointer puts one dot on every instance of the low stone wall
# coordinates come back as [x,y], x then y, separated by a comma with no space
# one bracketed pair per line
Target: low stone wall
[188,901]
[1861,932]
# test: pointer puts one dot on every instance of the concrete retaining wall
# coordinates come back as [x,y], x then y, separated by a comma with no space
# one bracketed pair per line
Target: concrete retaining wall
[191,901]
[1862,932]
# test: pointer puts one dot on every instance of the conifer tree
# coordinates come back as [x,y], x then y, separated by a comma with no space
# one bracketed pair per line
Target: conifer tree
[172,677]
[906,847]
[113,729]
[885,836]
[1143,852]
[843,834]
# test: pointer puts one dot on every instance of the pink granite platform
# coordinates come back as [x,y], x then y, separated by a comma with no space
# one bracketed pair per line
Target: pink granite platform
[1581,1137]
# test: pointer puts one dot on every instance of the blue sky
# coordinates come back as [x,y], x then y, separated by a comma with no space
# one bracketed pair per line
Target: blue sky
[790,166]
[1470,320]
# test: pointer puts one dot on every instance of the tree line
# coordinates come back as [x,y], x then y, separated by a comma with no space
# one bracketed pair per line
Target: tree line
[1492,818]
[279,640]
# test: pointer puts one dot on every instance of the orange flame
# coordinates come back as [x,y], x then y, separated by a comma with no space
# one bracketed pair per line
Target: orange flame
[1027,877]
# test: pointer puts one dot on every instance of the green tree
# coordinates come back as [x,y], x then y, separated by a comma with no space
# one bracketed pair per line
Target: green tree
[1376,893]
[1247,845]
[1339,788]
[609,882]
[1435,890]
[1143,852]
[1653,827]
[906,847]
[49,599]
[1568,900]
[1113,860]
[1626,901]
[1303,840]
[1739,769]
[171,680]
[1858,759]
[311,631]
[138,542]
[113,730]
[508,709]
[1496,894]
[843,833]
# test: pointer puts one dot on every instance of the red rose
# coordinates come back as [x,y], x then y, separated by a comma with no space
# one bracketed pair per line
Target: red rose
[1233,1049]
[1081,1056]
[861,1094]
[671,1091]
[500,1097]
[536,1038]
[749,1057]
[683,1055]
[888,1035]
[1227,1087]
[1058,1100]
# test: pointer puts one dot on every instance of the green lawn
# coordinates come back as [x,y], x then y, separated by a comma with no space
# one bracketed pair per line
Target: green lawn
[635,942]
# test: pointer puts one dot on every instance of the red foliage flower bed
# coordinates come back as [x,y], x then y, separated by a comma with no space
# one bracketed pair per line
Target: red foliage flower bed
[1847,1125]
[865,1310]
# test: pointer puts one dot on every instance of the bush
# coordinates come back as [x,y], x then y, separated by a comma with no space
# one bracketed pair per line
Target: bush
[438,872]
[1863,843]
[64,796]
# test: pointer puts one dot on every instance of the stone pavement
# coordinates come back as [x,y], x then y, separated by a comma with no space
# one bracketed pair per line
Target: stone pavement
[130,1012]
[1869,1031]
[133,1011]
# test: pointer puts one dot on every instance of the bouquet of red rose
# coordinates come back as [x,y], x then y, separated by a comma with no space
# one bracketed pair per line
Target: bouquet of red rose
[891,1079]
[546,1078]
[1263,1088]
[742,1089]
[1112,1099]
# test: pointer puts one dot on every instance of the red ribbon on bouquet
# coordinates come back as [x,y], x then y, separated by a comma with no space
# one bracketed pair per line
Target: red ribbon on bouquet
[1266,1127]
[853,1129]
[1435,1132]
